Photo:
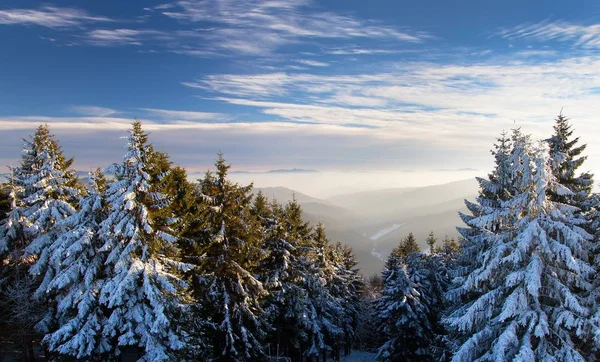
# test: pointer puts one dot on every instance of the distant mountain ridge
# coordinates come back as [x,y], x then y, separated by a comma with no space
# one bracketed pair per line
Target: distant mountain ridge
[282,170]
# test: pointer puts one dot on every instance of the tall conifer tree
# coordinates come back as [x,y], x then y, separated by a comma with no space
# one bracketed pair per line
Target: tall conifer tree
[229,296]
[143,291]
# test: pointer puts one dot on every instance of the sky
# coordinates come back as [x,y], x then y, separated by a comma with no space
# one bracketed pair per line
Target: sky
[348,86]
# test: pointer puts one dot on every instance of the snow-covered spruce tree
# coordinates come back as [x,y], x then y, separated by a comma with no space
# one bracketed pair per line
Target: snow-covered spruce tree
[296,299]
[142,291]
[401,314]
[327,330]
[534,275]
[566,158]
[228,296]
[351,284]
[20,312]
[79,278]
[493,190]
[276,272]
[12,237]
[44,192]
[475,238]
[437,267]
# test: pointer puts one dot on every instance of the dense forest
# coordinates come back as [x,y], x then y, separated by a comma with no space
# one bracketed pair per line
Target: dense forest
[139,263]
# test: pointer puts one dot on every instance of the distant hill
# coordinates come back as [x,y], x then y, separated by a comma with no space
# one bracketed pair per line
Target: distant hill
[390,205]
[373,222]
[283,195]
[283,170]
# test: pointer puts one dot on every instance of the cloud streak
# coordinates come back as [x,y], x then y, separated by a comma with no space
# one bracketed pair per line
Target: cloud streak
[259,27]
[586,36]
[49,16]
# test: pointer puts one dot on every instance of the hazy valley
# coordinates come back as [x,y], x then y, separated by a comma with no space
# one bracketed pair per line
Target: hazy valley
[373,222]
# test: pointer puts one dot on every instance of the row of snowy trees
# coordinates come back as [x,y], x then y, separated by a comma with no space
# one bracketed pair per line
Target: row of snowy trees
[524,285]
[144,262]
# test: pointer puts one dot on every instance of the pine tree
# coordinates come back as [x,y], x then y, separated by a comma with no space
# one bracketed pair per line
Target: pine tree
[79,278]
[229,295]
[142,291]
[530,304]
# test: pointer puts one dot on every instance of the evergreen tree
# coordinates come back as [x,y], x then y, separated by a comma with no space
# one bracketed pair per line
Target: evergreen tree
[476,237]
[142,291]
[229,295]
[327,331]
[5,200]
[530,304]
[43,191]
[79,278]
[406,247]
[20,313]
[431,241]
[566,159]
[48,194]
[284,272]
[401,314]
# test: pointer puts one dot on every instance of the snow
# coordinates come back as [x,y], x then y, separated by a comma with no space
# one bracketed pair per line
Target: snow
[359,356]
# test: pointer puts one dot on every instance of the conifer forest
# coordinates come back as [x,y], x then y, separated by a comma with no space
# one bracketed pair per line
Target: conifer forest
[139,263]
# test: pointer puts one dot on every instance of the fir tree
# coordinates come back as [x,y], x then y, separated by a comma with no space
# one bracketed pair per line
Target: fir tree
[79,278]
[530,304]
[401,314]
[407,246]
[284,273]
[566,159]
[327,331]
[229,294]
[476,237]
[43,191]
[142,291]
[431,241]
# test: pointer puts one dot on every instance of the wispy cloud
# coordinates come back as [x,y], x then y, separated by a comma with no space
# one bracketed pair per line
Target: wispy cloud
[258,27]
[312,63]
[185,115]
[117,37]
[93,111]
[49,16]
[587,36]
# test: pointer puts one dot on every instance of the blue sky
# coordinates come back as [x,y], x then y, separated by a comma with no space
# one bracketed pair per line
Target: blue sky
[331,85]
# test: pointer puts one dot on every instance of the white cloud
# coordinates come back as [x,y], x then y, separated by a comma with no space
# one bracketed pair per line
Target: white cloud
[49,16]
[312,63]
[587,36]
[458,105]
[93,111]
